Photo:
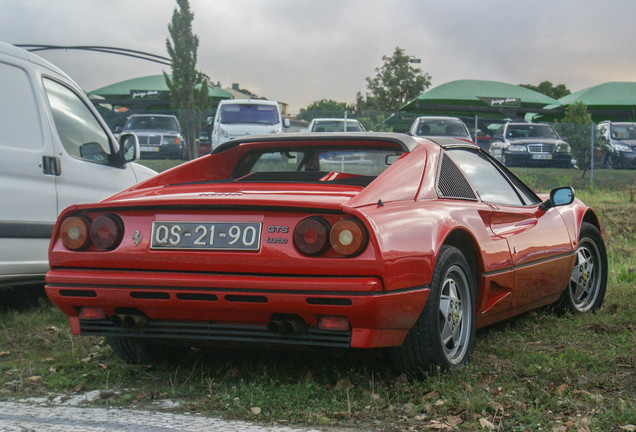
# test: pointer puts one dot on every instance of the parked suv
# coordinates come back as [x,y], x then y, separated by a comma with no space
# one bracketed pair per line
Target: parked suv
[530,144]
[159,136]
[239,117]
[56,151]
[619,142]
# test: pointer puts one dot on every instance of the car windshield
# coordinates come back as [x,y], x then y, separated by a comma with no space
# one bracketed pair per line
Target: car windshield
[152,123]
[442,127]
[339,165]
[336,126]
[624,131]
[249,113]
[523,131]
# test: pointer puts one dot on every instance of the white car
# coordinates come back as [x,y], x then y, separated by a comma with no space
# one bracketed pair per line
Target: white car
[56,151]
[239,117]
[436,126]
[335,125]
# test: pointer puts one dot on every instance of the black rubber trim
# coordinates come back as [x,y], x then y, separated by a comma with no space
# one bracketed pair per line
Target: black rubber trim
[40,230]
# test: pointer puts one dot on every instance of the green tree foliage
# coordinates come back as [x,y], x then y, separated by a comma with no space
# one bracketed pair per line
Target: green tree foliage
[395,84]
[548,89]
[188,86]
[324,108]
[576,128]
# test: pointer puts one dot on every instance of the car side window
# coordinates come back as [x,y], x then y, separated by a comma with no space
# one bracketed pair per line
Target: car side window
[489,182]
[80,133]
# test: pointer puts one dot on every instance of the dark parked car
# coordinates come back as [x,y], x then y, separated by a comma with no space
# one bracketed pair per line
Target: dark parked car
[618,143]
[530,144]
[159,136]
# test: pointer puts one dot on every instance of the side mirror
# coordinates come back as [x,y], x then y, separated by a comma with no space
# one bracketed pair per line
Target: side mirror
[286,122]
[128,147]
[558,197]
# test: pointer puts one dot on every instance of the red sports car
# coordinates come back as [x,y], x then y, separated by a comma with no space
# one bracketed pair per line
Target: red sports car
[330,240]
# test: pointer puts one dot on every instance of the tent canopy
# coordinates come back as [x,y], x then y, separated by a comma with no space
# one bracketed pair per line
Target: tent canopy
[480,97]
[150,83]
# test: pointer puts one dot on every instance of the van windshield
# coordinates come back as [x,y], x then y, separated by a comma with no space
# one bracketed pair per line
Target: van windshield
[249,113]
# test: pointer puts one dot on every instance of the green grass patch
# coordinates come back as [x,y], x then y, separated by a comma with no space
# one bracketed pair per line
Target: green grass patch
[540,371]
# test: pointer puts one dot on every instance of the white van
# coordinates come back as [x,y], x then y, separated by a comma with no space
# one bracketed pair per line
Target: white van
[239,117]
[55,150]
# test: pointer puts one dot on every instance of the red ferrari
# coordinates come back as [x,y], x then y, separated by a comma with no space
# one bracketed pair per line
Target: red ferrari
[329,240]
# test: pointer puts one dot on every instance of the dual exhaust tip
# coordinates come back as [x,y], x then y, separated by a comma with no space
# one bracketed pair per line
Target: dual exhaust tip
[288,327]
[130,322]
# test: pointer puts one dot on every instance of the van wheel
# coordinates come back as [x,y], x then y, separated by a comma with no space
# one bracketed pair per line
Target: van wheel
[444,334]
[139,351]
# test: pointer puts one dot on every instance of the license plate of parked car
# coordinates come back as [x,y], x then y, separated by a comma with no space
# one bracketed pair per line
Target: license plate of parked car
[542,156]
[206,235]
[149,148]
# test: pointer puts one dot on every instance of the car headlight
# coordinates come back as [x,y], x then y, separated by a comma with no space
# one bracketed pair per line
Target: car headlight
[622,148]
[171,140]
[563,148]
[276,130]
[223,132]
[516,148]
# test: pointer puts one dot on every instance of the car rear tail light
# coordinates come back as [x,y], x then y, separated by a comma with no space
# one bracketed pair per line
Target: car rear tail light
[107,231]
[333,323]
[348,237]
[311,236]
[75,232]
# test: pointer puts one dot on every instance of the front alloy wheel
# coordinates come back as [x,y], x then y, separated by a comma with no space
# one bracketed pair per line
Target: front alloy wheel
[587,284]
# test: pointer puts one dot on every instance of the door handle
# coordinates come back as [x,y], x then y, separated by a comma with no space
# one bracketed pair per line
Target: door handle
[51,165]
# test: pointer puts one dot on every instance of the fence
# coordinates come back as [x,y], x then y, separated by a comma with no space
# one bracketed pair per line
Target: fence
[598,153]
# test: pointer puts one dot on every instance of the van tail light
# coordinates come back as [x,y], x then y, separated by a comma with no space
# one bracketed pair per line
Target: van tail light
[311,236]
[348,237]
[75,232]
[107,231]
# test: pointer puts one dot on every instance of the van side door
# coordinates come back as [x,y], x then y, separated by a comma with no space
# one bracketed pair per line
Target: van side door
[28,171]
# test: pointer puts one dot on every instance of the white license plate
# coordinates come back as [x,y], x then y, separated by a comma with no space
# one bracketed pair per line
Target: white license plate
[542,156]
[244,236]
[149,148]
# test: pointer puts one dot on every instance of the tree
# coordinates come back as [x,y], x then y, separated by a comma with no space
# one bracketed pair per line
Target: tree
[324,108]
[548,89]
[188,86]
[576,127]
[395,84]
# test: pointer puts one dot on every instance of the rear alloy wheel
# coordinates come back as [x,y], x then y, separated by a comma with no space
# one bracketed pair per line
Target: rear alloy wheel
[138,351]
[444,334]
[587,284]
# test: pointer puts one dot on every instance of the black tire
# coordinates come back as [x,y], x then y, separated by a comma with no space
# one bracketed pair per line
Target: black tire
[139,351]
[449,315]
[586,288]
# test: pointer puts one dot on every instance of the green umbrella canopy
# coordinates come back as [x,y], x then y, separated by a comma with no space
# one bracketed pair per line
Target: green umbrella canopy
[479,94]
[148,83]
[610,94]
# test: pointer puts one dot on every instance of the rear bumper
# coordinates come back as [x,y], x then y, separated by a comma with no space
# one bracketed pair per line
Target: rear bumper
[237,308]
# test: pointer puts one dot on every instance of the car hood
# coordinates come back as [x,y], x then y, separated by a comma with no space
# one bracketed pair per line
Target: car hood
[142,172]
[534,140]
[237,194]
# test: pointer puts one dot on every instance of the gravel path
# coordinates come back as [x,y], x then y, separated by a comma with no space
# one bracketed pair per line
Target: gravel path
[32,417]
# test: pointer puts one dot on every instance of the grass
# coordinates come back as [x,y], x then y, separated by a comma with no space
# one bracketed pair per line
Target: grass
[540,371]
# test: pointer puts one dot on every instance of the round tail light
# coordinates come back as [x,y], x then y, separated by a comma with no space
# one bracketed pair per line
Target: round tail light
[311,236]
[348,237]
[75,232]
[107,231]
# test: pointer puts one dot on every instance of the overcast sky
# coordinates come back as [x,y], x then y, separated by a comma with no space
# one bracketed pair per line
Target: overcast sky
[299,51]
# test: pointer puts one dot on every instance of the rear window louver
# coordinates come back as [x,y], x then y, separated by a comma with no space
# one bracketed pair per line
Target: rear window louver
[451,183]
